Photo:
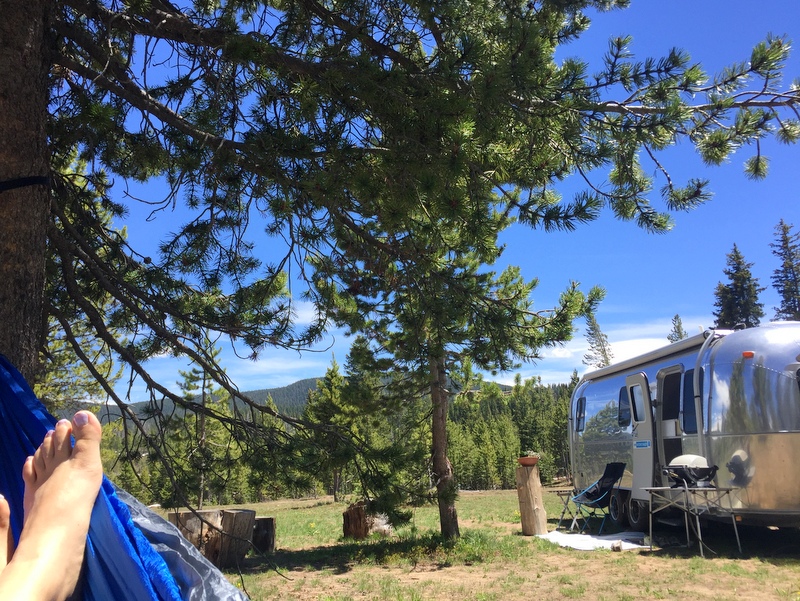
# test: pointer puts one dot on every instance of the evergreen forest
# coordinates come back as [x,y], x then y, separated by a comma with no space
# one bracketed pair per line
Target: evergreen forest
[489,426]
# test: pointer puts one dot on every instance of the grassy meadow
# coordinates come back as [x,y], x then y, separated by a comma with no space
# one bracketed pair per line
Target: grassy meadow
[493,561]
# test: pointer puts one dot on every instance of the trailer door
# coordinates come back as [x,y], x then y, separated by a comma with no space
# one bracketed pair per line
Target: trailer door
[643,449]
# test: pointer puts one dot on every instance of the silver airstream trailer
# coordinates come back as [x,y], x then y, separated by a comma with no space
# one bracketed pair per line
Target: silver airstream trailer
[731,398]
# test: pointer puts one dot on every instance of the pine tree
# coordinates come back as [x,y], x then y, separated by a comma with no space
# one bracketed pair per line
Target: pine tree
[75,361]
[360,442]
[257,128]
[786,278]
[253,127]
[677,333]
[207,460]
[198,387]
[599,354]
[737,301]
[331,450]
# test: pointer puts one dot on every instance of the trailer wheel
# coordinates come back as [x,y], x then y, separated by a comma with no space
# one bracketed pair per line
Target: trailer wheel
[617,510]
[638,515]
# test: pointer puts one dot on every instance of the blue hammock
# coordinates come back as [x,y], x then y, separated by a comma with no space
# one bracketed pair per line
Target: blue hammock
[141,558]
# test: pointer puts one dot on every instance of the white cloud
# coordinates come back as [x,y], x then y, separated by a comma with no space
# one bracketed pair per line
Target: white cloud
[560,352]
[304,311]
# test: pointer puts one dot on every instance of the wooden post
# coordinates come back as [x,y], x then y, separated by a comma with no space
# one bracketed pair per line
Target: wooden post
[531,504]
[264,535]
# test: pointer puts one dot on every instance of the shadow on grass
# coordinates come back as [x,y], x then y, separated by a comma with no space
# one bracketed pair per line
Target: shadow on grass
[778,547]
[342,556]
[775,546]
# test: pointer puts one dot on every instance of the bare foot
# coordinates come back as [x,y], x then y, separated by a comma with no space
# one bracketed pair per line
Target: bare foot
[6,538]
[61,485]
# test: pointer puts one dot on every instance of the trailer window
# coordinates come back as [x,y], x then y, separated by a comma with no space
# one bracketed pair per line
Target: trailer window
[689,414]
[638,403]
[624,412]
[671,396]
[580,414]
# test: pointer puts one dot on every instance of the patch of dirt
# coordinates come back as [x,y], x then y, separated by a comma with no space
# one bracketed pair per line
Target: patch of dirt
[553,574]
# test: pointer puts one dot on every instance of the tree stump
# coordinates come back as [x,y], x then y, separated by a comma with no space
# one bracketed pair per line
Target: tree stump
[355,524]
[264,535]
[201,528]
[223,536]
[531,501]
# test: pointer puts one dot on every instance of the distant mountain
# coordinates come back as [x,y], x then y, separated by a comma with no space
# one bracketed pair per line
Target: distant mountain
[289,400]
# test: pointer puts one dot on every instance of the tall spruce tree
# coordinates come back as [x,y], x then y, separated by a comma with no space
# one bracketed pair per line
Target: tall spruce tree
[599,353]
[677,332]
[737,301]
[198,388]
[331,447]
[363,443]
[348,131]
[786,278]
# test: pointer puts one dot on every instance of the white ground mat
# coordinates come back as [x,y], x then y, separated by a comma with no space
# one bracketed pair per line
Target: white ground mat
[589,542]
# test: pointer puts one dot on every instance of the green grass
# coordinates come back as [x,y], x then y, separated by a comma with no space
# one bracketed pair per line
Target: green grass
[491,560]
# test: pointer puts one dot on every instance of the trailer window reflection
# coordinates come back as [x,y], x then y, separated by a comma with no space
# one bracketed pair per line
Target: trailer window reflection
[687,402]
[638,403]
[580,414]
[751,397]
[624,410]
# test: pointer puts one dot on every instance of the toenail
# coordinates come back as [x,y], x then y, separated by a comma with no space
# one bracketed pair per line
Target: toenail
[81,419]
[63,422]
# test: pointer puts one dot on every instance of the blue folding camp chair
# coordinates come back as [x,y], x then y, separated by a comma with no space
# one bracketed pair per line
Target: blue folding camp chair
[594,499]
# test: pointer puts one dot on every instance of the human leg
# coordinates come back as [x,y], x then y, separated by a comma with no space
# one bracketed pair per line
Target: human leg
[61,485]
[6,537]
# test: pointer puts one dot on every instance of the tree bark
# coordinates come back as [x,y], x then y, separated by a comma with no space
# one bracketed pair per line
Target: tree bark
[446,489]
[24,210]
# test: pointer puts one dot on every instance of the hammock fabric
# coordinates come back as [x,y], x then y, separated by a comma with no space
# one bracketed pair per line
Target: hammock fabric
[131,553]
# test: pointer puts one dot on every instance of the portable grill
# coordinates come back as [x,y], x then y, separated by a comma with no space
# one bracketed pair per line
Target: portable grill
[691,471]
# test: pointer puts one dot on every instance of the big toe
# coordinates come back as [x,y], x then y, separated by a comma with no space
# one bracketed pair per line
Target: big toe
[86,426]
[87,432]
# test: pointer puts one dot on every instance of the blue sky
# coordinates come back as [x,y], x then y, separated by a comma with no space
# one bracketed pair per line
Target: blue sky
[648,278]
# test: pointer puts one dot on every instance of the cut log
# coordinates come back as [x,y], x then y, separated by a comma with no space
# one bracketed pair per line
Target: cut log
[223,536]
[264,535]
[201,528]
[237,536]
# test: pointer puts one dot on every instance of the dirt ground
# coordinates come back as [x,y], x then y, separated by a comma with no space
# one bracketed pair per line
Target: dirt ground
[554,573]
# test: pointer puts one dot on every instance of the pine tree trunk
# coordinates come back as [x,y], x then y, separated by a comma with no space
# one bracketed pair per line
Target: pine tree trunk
[337,482]
[24,65]
[446,489]
[202,446]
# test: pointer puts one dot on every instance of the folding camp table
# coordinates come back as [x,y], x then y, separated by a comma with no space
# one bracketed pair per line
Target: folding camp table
[565,494]
[694,502]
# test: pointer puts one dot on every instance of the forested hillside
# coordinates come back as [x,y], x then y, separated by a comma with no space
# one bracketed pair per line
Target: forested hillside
[289,400]
[490,425]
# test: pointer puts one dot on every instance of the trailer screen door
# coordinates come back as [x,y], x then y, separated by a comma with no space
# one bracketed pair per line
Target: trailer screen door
[642,435]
